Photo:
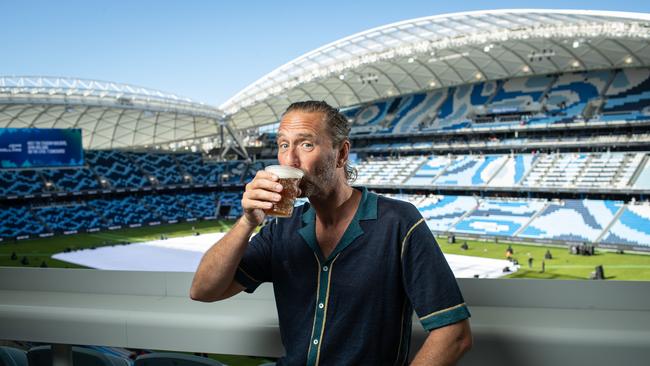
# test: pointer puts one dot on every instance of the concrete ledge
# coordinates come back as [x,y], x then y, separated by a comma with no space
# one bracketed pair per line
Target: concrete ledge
[531,322]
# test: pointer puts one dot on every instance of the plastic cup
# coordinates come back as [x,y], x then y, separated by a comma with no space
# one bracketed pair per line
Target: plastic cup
[290,178]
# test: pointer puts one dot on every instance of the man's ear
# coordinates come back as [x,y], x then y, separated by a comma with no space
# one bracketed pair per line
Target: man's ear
[344,153]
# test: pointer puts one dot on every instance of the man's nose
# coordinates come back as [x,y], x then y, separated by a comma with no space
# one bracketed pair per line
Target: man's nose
[292,158]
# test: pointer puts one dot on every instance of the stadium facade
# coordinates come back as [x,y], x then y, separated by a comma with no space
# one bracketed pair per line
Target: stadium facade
[497,124]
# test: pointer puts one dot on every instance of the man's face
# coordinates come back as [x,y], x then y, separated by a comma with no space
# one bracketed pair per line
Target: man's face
[304,143]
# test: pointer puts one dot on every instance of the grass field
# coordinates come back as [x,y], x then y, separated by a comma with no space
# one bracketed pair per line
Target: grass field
[563,265]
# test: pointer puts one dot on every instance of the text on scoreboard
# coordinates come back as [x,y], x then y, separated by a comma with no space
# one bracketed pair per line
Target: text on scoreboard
[40,147]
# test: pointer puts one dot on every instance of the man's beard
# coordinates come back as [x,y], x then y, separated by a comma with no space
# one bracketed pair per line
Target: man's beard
[320,182]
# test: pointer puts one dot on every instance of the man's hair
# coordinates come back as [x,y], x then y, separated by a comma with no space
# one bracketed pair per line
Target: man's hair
[338,126]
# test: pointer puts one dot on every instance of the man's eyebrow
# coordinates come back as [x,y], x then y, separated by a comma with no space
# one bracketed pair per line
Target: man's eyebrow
[299,135]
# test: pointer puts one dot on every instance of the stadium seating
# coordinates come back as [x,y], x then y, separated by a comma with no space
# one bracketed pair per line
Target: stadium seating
[632,227]
[116,167]
[166,207]
[252,169]
[199,204]
[229,204]
[428,171]
[123,211]
[367,119]
[421,115]
[587,218]
[499,217]
[628,96]
[452,114]
[391,171]
[442,212]
[643,180]
[513,170]
[71,180]
[234,172]
[19,221]
[69,217]
[570,94]
[160,166]
[200,173]
[470,170]
[521,94]
[538,101]
[20,182]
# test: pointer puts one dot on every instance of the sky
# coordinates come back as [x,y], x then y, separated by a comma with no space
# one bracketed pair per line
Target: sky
[205,50]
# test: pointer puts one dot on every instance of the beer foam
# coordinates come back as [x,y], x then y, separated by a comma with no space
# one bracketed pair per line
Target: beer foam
[283,171]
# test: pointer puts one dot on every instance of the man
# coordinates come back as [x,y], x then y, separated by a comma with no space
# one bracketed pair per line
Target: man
[348,268]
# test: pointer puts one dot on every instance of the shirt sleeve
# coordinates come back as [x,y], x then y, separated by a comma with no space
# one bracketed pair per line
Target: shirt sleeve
[429,282]
[255,266]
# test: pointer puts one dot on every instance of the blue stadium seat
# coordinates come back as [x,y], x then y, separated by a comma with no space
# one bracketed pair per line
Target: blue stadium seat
[42,356]
[10,356]
[174,359]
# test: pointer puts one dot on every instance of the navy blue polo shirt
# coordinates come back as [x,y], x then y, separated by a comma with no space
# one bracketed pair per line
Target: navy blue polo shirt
[354,307]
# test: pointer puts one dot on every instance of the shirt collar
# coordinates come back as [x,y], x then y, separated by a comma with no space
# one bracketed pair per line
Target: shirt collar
[367,210]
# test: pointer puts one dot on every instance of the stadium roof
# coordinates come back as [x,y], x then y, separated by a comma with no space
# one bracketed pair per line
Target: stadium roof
[446,50]
[111,115]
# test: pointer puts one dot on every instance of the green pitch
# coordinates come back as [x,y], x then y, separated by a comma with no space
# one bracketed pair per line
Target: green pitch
[563,266]
[34,253]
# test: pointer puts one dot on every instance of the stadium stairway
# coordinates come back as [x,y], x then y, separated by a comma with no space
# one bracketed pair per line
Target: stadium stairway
[523,227]
[609,226]
[642,165]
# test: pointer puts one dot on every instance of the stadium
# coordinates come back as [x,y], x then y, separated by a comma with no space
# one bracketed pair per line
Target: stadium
[519,130]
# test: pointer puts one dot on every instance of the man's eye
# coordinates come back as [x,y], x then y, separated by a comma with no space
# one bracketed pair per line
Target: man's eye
[284,146]
[307,145]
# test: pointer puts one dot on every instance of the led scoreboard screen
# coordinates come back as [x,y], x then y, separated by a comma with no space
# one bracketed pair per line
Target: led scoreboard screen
[40,147]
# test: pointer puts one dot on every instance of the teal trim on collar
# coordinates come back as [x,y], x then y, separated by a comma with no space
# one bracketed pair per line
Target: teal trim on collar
[367,210]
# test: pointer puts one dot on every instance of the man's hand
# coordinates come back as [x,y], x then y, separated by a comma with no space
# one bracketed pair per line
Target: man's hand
[214,278]
[260,194]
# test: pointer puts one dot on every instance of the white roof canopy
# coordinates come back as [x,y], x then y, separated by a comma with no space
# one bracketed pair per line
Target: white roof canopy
[446,50]
[111,115]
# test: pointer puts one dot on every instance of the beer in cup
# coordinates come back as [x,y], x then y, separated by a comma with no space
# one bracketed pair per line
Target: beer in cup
[290,178]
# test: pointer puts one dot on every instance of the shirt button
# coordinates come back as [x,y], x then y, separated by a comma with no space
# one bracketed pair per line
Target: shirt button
[325,268]
[315,341]
[321,305]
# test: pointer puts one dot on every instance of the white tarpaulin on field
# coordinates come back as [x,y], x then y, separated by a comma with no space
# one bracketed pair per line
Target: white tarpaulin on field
[183,254]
